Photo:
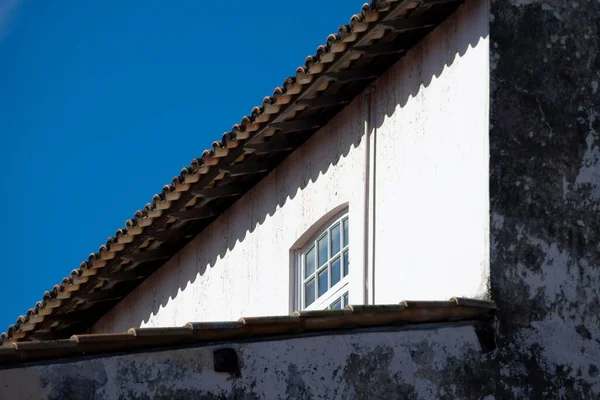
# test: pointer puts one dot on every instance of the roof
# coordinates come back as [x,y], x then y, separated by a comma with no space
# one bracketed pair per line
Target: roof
[340,69]
[352,317]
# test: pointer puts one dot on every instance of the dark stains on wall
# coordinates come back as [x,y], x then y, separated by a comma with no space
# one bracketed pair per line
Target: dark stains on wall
[545,196]
[67,381]
[437,374]
[296,388]
[369,376]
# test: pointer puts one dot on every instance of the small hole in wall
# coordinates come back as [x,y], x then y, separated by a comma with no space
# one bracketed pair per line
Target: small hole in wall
[226,360]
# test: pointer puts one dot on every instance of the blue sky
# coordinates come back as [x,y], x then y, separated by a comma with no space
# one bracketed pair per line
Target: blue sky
[103,102]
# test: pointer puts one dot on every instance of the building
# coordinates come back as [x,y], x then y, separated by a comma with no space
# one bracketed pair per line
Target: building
[431,150]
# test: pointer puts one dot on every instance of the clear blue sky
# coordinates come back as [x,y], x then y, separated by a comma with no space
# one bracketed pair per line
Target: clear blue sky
[103,102]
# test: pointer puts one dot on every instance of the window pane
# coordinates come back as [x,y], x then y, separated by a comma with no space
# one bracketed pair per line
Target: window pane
[346,262]
[337,305]
[309,293]
[345,299]
[323,257]
[335,239]
[346,238]
[335,271]
[323,280]
[309,263]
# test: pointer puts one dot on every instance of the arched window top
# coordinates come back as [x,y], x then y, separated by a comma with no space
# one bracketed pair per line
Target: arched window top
[323,266]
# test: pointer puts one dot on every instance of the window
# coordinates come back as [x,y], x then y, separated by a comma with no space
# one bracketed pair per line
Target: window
[340,303]
[324,265]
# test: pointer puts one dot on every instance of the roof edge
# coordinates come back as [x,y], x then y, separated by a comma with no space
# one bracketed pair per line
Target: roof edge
[197,333]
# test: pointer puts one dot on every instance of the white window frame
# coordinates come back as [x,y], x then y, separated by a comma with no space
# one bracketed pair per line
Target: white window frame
[341,288]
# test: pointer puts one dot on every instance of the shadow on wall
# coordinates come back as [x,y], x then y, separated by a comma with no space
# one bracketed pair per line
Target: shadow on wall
[314,159]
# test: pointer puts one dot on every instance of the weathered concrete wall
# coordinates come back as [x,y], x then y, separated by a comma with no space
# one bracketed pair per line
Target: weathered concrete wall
[430,115]
[545,199]
[409,364]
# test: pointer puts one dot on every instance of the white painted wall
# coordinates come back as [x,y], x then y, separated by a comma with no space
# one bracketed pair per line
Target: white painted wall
[428,185]
[431,190]
[240,265]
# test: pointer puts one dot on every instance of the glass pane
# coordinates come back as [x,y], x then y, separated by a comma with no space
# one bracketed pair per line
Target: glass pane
[309,263]
[323,280]
[345,299]
[346,238]
[335,239]
[309,293]
[335,271]
[346,262]
[337,305]
[323,257]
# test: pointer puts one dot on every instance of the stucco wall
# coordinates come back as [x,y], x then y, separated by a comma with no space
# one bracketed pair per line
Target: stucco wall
[428,149]
[410,364]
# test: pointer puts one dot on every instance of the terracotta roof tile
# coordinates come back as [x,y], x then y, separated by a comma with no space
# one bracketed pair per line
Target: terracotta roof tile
[336,73]
[405,313]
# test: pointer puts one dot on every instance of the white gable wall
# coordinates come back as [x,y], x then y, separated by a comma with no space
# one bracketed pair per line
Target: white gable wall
[240,265]
[431,189]
[427,201]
